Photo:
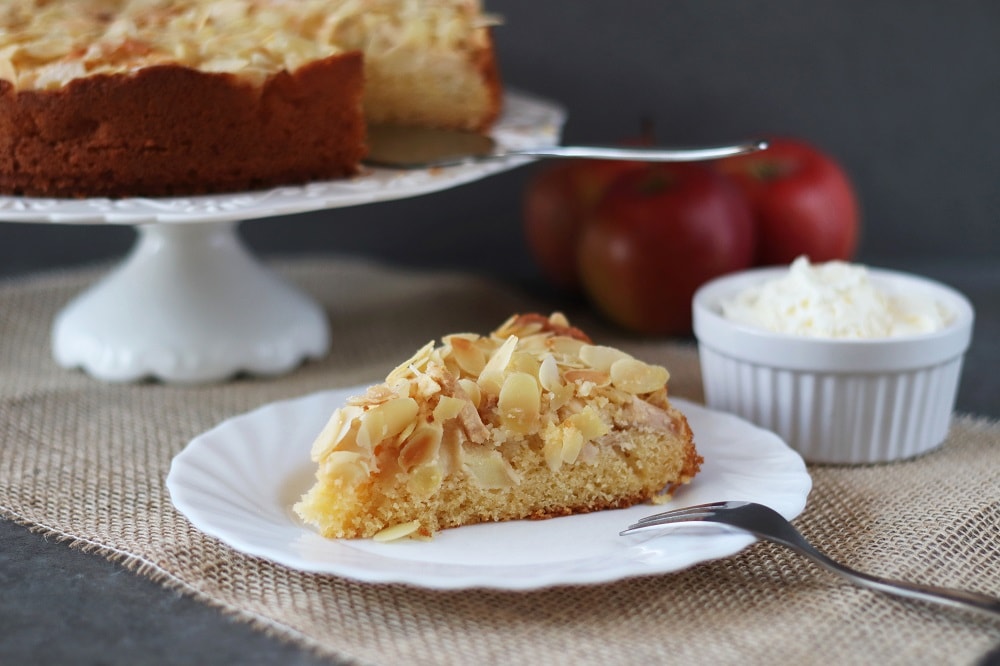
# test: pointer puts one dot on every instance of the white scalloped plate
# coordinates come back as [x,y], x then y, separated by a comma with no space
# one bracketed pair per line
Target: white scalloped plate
[238,481]
[526,122]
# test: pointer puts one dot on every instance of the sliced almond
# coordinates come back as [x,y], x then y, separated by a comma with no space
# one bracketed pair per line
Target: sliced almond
[418,360]
[525,325]
[373,396]
[406,432]
[548,374]
[534,344]
[469,358]
[505,329]
[467,337]
[448,408]
[421,446]
[335,430]
[423,385]
[348,467]
[449,364]
[595,377]
[472,391]
[565,346]
[491,378]
[561,396]
[522,361]
[600,357]
[636,377]
[558,319]
[396,532]
[386,420]
[519,402]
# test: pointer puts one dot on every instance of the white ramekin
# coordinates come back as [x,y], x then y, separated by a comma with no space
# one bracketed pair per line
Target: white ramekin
[835,400]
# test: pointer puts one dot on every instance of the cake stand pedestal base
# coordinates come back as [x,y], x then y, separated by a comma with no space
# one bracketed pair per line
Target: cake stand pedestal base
[189,305]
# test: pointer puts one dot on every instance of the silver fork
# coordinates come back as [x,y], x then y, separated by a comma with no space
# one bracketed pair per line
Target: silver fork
[766,523]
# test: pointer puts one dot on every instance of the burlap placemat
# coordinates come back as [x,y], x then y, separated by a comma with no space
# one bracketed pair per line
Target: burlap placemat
[86,461]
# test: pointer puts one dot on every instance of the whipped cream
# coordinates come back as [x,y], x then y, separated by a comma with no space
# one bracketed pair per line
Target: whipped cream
[833,300]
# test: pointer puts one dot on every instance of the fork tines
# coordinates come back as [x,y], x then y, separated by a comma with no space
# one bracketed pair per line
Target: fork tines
[697,512]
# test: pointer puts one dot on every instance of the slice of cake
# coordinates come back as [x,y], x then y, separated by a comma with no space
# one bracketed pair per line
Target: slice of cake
[169,97]
[531,421]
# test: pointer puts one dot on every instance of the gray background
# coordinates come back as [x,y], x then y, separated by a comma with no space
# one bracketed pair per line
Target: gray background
[905,94]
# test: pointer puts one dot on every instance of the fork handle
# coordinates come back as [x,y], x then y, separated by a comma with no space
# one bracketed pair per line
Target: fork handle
[940,595]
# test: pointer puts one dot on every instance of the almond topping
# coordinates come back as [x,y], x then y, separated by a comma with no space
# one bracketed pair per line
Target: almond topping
[396,532]
[559,319]
[566,346]
[335,431]
[472,391]
[519,402]
[561,396]
[418,360]
[491,378]
[52,40]
[469,358]
[448,408]
[421,446]
[548,374]
[636,377]
[386,420]
[522,361]
[373,396]
[595,377]
[601,358]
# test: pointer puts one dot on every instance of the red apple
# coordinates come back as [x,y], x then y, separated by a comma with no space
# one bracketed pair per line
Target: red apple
[802,200]
[656,236]
[557,200]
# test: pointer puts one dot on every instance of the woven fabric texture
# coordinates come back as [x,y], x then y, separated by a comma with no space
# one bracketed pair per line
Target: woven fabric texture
[86,461]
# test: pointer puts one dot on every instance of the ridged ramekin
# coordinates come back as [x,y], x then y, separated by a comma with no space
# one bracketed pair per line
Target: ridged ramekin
[841,401]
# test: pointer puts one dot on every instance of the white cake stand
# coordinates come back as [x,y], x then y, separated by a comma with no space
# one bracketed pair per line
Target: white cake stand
[190,304]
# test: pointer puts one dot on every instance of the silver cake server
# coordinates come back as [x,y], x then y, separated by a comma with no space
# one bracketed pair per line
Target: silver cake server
[397,147]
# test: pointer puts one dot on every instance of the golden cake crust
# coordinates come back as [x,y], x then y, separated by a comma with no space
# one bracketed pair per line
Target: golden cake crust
[159,131]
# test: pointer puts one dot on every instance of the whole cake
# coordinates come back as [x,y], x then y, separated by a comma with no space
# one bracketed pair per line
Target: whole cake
[531,421]
[167,97]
